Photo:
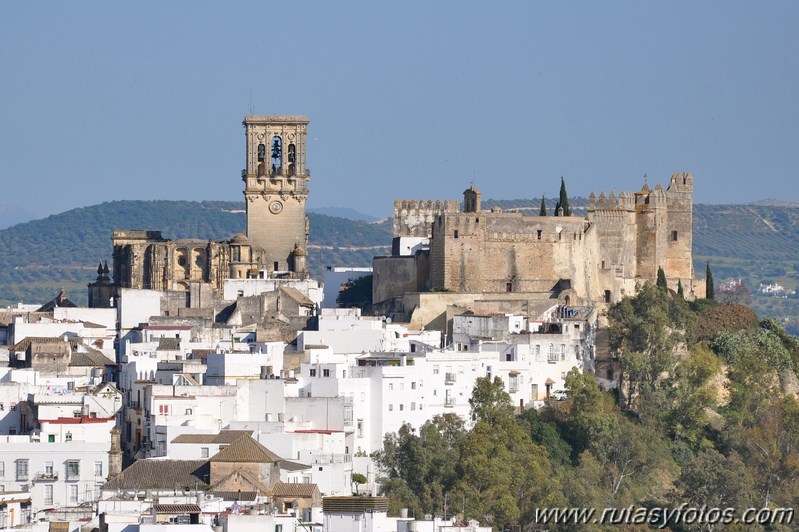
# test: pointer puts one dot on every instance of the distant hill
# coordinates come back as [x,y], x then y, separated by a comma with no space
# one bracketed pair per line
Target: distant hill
[344,212]
[37,258]
[755,242]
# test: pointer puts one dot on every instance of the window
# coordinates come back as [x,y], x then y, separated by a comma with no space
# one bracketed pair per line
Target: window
[98,469]
[325,373]
[48,494]
[402,386]
[22,469]
[312,373]
[48,469]
[390,385]
[203,452]
[73,493]
[402,407]
[278,528]
[360,428]
[456,233]
[73,469]
[390,407]
[413,406]
[163,410]
[539,234]
[189,412]
[413,385]
[435,370]
[563,351]
[674,236]
[2,469]
[509,287]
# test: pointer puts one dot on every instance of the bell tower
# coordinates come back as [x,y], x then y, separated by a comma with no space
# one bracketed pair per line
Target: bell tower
[276,188]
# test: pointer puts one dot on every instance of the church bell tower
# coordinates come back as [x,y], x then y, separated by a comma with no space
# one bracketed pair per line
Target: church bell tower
[276,189]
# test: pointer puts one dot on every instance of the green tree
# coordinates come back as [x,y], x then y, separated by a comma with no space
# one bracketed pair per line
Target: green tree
[543,210]
[358,479]
[691,396]
[357,293]
[713,480]
[493,454]
[545,433]
[771,447]
[592,413]
[489,400]
[417,470]
[661,280]
[563,201]
[642,333]
[710,290]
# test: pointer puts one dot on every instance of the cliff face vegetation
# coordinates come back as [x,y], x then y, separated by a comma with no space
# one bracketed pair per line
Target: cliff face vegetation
[698,419]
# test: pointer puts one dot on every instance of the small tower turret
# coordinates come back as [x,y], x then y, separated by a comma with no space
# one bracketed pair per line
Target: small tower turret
[471,199]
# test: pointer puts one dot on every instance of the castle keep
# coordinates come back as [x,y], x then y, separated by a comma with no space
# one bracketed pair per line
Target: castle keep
[275,189]
[622,241]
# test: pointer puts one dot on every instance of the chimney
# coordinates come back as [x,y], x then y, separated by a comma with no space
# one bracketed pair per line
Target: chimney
[115,454]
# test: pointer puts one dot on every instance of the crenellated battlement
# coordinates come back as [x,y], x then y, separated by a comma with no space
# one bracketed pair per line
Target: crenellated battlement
[415,217]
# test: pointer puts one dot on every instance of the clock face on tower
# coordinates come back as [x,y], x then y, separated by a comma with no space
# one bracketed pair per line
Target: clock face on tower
[275,207]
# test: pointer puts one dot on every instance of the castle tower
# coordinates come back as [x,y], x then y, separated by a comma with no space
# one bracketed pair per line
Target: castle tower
[276,187]
[471,199]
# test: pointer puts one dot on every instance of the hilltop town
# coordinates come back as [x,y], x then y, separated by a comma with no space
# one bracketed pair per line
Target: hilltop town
[216,382]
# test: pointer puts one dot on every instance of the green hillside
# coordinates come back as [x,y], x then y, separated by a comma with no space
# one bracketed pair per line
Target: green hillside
[39,257]
[757,243]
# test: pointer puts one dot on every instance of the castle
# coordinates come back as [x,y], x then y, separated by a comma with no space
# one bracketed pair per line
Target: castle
[509,256]
[275,189]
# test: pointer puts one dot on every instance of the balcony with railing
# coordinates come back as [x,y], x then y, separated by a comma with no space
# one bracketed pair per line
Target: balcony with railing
[449,401]
[330,458]
[46,476]
[450,378]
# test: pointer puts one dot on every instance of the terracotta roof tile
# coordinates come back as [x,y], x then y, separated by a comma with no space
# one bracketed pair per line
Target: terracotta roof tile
[286,489]
[245,449]
[160,474]
[177,508]
[225,436]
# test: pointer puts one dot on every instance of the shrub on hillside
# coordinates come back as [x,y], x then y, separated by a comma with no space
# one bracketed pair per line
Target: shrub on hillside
[723,318]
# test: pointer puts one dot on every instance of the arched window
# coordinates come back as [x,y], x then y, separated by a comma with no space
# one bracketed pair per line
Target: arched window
[292,153]
[261,152]
[277,153]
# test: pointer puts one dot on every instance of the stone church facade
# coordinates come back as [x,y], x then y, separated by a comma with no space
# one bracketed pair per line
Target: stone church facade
[275,189]
[589,259]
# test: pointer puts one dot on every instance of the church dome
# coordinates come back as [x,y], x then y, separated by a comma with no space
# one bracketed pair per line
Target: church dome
[239,238]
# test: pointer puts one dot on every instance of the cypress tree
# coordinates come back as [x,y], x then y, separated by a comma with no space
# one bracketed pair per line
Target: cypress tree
[710,291]
[564,199]
[543,211]
[662,279]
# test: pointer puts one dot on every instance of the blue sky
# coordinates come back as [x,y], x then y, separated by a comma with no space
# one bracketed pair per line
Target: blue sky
[406,99]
